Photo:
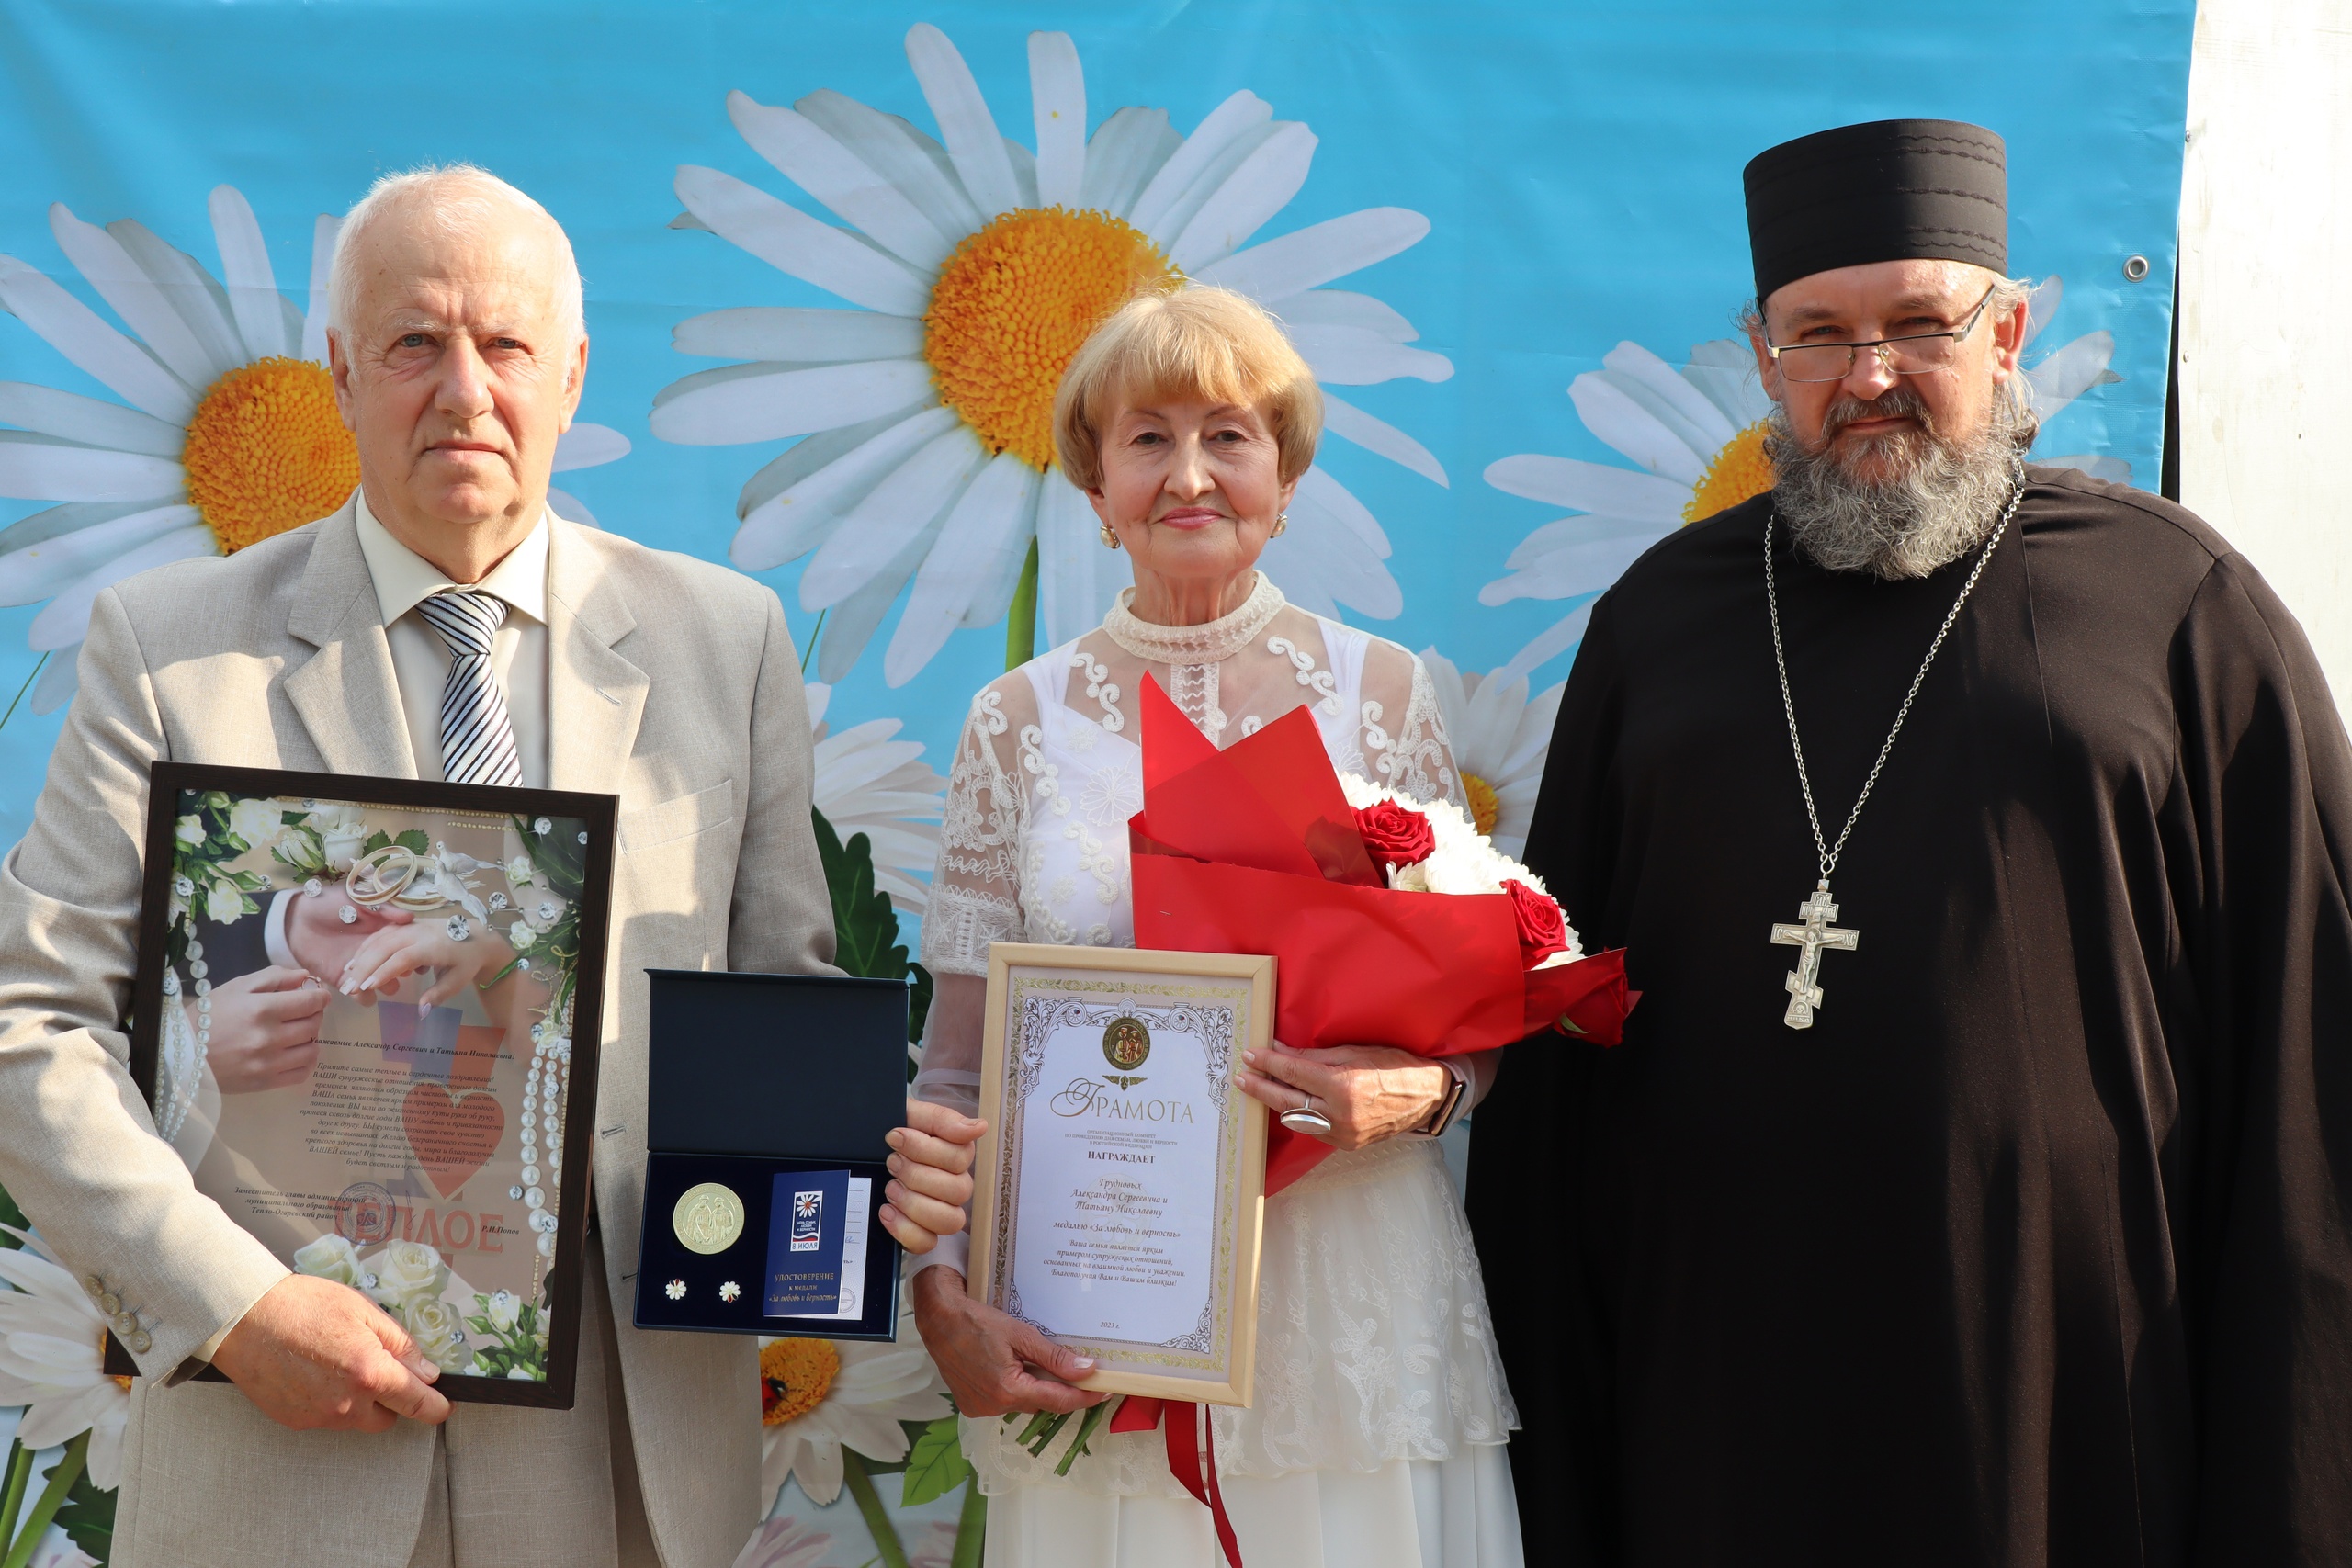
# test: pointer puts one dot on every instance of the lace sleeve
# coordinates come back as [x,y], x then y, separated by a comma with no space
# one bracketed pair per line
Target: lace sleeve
[975,891]
[1415,758]
[975,901]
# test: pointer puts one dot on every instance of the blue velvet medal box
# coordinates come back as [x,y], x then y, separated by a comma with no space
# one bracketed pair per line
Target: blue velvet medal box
[770,1099]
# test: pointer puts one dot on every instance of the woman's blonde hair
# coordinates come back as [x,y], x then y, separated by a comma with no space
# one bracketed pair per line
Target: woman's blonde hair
[1195,341]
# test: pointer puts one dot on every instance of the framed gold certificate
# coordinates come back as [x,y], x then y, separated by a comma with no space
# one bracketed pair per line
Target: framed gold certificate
[1121,1195]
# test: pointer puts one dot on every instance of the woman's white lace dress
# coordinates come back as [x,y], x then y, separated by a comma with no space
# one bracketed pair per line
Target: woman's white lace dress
[1377,1434]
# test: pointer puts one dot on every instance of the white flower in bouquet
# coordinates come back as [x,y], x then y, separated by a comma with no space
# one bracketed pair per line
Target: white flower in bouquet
[190,830]
[224,901]
[343,833]
[409,1272]
[503,1308]
[518,870]
[51,1335]
[439,1333]
[1463,861]
[256,822]
[331,1257]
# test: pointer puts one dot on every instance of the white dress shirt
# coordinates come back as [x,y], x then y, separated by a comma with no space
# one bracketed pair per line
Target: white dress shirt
[518,651]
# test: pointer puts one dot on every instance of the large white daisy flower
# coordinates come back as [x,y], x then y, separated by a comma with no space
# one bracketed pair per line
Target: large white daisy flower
[52,1338]
[227,434]
[1698,436]
[1499,738]
[979,267]
[869,784]
[818,1395]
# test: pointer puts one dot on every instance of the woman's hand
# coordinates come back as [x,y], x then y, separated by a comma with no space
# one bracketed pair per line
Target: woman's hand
[931,1165]
[993,1362]
[396,951]
[265,1030]
[1370,1092]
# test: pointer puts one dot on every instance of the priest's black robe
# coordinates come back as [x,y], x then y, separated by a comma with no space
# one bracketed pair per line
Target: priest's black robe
[2034,1249]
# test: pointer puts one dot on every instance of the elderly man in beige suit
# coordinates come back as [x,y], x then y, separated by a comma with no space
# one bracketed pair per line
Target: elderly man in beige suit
[459,355]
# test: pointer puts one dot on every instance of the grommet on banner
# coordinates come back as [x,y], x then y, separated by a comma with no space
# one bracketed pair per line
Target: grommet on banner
[2135,268]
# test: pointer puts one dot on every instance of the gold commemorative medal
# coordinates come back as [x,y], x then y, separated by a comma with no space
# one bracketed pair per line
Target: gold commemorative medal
[708,1218]
[1126,1042]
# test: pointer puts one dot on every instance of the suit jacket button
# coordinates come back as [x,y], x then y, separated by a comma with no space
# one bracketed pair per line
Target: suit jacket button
[126,1323]
[140,1343]
[109,1303]
[93,1284]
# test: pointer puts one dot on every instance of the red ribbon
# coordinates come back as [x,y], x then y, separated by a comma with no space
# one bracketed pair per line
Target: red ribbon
[1193,1466]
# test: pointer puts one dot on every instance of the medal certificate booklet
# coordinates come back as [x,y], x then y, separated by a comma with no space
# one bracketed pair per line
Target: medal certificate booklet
[363,1016]
[1121,1196]
[771,1100]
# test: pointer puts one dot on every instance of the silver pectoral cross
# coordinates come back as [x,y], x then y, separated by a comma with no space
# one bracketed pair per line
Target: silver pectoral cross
[1814,933]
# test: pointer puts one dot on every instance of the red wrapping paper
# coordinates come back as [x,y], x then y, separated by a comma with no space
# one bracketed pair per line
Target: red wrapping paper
[1254,850]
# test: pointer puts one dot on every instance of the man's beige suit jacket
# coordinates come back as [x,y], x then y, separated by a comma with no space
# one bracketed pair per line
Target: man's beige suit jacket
[672,684]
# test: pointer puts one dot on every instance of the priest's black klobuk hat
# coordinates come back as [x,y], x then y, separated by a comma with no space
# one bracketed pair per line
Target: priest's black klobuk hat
[1890,190]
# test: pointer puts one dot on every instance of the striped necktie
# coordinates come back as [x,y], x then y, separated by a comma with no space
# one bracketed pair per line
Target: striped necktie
[477,738]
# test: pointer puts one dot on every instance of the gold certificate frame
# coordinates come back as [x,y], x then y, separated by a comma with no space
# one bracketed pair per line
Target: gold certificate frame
[1122,1199]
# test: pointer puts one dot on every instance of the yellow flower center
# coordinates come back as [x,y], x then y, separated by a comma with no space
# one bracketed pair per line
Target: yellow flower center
[1740,470]
[268,451]
[1485,807]
[795,1377]
[1010,309]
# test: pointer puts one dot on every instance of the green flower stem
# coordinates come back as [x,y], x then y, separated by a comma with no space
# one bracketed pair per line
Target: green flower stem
[1021,625]
[869,1503]
[971,1528]
[53,1497]
[814,633]
[12,1493]
[27,686]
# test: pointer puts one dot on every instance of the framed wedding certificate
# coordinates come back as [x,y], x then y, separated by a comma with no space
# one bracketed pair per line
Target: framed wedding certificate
[365,1015]
[1122,1193]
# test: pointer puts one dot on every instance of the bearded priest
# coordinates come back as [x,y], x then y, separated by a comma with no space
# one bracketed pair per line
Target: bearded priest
[1971,1185]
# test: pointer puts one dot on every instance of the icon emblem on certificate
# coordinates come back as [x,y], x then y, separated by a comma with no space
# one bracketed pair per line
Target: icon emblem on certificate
[428,1146]
[1119,1211]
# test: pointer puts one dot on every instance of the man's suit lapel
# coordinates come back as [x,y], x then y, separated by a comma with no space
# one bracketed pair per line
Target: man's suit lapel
[346,693]
[595,697]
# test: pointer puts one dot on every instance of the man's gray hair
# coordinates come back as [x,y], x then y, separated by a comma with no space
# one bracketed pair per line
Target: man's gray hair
[462,199]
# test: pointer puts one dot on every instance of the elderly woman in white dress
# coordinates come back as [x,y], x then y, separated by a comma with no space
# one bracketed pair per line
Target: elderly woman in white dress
[1376,1439]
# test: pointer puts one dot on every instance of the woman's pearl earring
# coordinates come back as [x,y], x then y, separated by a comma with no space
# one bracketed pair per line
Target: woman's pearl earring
[1110,540]
[1281,522]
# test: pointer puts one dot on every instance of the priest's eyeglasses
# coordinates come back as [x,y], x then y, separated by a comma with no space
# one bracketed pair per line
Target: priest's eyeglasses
[1915,354]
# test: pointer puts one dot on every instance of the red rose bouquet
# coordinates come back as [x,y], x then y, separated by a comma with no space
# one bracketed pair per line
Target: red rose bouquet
[1263,848]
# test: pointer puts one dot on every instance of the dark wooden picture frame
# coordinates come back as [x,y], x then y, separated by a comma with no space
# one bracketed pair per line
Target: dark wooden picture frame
[171,783]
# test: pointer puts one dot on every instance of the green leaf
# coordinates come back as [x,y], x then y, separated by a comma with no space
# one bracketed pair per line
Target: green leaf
[87,1517]
[376,840]
[13,1215]
[414,842]
[935,1465]
[865,929]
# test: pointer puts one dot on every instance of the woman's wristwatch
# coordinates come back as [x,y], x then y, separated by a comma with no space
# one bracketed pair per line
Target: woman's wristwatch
[1457,1099]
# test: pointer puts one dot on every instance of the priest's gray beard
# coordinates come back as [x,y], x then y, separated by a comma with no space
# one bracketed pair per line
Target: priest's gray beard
[1941,498]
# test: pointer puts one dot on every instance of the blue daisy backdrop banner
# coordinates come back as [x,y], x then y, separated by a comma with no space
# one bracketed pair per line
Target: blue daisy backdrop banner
[836,258]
